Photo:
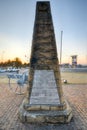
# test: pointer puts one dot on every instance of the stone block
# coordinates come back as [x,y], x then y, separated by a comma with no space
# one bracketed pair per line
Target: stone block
[33,107]
[45,107]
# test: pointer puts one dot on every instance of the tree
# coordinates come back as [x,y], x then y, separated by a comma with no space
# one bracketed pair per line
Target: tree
[17,62]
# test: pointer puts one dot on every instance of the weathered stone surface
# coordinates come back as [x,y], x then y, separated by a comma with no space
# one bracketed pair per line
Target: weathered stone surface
[44,89]
[45,107]
[45,96]
[45,116]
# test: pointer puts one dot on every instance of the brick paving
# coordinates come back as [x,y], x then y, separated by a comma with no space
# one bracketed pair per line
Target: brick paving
[76,95]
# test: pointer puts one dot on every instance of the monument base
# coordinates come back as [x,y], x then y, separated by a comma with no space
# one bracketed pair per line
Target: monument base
[45,116]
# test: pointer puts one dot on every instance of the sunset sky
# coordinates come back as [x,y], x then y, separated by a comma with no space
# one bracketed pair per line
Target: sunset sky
[17,21]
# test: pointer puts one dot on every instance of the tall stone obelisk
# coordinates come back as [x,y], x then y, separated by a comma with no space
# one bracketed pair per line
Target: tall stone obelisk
[44,101]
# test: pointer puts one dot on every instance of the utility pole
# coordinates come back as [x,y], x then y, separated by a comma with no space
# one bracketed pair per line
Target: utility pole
[61,48]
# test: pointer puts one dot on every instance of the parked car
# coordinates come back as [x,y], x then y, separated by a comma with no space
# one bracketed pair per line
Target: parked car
[10,69]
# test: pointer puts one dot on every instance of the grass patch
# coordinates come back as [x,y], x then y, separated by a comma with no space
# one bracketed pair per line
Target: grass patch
[71,77]
[74,78]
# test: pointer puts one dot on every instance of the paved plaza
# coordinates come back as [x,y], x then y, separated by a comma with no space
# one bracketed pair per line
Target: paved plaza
[76,95]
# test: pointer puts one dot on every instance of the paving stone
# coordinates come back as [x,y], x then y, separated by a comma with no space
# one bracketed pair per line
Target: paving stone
[76,95]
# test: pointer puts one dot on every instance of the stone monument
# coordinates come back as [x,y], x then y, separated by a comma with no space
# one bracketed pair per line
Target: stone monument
[44,101]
